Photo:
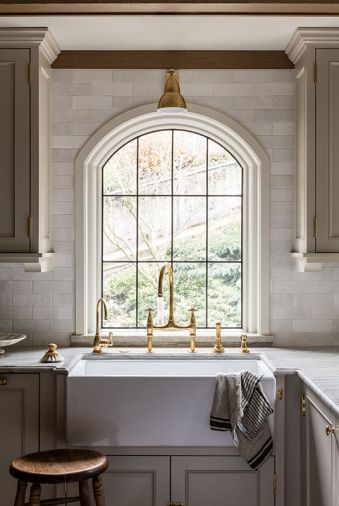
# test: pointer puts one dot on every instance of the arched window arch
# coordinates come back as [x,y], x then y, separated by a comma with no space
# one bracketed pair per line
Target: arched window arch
[149,190]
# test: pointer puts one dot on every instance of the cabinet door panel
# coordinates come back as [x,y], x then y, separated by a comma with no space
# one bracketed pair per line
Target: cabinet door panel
[327,150]
[14,150]
[320,453]
[137,481]
[19,426]
[220,481]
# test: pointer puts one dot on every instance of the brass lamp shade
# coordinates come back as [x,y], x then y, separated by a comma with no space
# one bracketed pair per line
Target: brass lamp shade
[172,100]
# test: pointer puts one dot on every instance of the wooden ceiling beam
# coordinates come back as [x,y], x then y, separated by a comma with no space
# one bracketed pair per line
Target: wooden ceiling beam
[172,59]
[221,7]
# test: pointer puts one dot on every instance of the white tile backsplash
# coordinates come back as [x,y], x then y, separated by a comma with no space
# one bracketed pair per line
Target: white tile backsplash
[43,305]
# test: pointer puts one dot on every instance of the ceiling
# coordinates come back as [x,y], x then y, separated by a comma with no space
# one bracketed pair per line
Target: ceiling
[128,32]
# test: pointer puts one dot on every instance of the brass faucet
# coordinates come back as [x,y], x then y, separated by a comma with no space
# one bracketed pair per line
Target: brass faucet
[218,347]
[192,326]
[243,344]
[99,342]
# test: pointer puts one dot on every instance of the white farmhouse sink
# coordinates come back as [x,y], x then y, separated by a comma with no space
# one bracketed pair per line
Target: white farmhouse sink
[150,402]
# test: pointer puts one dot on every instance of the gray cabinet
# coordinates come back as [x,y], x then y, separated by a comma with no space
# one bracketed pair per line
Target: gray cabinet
[327,150]
[14,150]
[19,425]
[190,481]
[137,481]
[320,456]
[315,53]
[25,81]
[217,481]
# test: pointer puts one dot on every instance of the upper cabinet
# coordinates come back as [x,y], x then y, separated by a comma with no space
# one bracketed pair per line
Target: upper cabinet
[25,81]
[315,53]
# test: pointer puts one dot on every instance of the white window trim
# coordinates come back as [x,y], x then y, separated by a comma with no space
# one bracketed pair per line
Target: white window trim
[256,204]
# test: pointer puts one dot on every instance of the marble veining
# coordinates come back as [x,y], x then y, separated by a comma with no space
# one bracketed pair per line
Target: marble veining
[317,367]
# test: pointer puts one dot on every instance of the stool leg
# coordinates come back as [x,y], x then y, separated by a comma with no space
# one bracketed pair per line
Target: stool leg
[98,489]
[85,499]
[20,493]
[34,495]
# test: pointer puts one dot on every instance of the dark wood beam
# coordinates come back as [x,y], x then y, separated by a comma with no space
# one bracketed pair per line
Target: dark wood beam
[180,7]
[172,59]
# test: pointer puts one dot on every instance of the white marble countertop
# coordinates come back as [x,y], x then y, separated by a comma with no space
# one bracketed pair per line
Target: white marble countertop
[317,367]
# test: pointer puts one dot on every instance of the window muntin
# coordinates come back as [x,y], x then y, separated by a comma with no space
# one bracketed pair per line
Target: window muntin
[172,196]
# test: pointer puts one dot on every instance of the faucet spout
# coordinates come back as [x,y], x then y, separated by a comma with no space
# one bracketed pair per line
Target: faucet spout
[98,342]
[170,325]
[168,268]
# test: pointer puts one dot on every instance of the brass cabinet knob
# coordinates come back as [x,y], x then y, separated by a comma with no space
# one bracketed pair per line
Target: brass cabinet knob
[330,430]
[3,381]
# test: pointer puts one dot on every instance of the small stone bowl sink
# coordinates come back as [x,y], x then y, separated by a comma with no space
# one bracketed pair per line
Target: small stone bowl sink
[8,338]
[136,401]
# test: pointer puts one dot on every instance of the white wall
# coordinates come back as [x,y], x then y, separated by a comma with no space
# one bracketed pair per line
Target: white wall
[42,305]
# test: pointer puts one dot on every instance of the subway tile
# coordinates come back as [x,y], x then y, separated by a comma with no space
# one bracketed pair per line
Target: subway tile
[6,326]
[64,274]
[64,325]
[60,182]
[284,128]
[52,313]
[62,234]
[233,89]
[69,141]
[92,76]
[282,182]
[63,299]
[63,195]
[312,326]
[63,168]
[90,102]
[15,313]
[63,220]
[62,208]
[55,286]
[282,168]
[60,260]
[32,299]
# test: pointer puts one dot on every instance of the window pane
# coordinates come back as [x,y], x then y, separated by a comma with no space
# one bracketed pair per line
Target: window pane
[224,232]
[119,234]
[120,171]
[119,291]
[190,291]
[189,163]
[154,228]
[224,172]
[224,294]
[148,291]
[189,228]
[155,159]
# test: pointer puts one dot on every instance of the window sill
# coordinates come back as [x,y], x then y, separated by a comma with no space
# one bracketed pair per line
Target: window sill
[137,338]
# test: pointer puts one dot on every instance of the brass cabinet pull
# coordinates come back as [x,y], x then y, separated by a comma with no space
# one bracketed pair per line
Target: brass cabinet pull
[330,430]
[174,503]
[3,381]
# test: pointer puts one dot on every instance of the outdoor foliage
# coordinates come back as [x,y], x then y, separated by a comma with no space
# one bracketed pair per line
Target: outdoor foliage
[207,267]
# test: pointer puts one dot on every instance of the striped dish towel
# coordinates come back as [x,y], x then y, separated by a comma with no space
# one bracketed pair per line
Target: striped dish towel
[240,406]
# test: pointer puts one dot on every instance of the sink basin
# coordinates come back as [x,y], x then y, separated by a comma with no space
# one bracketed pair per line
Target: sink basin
[150,402]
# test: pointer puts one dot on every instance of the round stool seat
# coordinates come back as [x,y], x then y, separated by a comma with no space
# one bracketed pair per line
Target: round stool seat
[58,466]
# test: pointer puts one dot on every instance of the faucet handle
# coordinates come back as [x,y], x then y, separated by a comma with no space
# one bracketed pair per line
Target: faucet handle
[110,339]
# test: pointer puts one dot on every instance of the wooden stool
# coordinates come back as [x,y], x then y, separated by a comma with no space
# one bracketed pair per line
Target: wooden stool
[59,466]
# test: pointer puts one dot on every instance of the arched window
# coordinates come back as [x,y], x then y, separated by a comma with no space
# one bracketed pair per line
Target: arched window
[172,196]
[191,189]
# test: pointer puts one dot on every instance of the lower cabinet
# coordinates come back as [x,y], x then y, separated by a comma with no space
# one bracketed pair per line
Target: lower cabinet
[320,478]
[187,481]
[221,481]
[19,425]
[137,481]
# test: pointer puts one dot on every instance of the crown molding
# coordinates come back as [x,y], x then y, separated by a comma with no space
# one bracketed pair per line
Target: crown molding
[311,37]
[31,37]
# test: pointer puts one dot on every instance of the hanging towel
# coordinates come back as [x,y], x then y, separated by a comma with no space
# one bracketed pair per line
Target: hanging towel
[240,406]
